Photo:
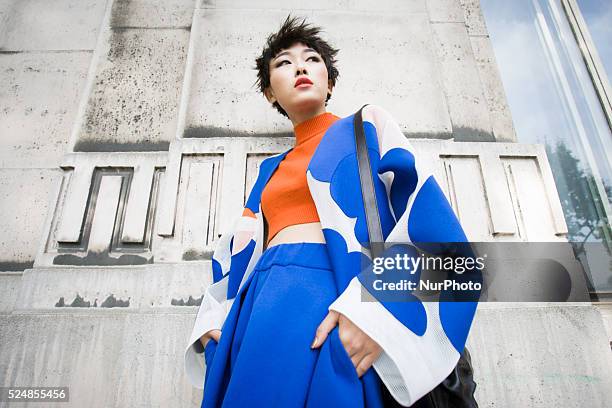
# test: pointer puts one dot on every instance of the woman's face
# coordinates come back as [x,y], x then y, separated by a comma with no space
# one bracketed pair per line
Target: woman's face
[298,80]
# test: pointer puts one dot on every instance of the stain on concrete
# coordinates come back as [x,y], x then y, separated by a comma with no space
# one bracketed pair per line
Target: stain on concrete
[15,266]
[193,255]
[151,14]
[111,301]
[459,133]
[142,74]
[101,258]
[469,134]
[80,302]
[201,132]
[190,301]
[428,135]
[77,302]
[104,146]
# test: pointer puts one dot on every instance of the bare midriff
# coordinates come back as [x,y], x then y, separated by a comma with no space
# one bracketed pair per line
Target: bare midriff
[308,232]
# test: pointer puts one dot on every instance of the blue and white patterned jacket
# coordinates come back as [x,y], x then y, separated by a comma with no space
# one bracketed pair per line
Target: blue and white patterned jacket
[420,345]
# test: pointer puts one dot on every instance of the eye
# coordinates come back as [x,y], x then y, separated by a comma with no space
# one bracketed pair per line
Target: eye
[315,59]
[281,63]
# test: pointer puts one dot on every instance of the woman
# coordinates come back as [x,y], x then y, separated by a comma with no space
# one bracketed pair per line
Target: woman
[282,324]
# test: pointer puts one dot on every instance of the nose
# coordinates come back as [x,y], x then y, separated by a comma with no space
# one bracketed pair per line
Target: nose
[301,69]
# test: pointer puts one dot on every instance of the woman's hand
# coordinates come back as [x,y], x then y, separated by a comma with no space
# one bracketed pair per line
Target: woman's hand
[359,346]
[214,334]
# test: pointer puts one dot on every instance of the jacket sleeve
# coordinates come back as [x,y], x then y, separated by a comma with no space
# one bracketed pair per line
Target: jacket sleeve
[421,341]
[215,304]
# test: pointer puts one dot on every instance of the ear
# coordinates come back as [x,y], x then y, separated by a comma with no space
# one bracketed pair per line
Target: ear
[330,87]
[269,95]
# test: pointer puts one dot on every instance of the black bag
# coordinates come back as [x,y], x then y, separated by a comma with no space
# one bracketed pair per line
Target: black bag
[457,390]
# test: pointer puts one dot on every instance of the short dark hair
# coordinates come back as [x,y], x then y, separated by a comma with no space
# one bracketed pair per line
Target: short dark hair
[293,31]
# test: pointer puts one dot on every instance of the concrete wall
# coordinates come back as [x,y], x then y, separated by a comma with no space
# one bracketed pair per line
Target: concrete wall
[130,134]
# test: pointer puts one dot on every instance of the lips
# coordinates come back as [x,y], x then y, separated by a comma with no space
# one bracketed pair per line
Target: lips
[301,81]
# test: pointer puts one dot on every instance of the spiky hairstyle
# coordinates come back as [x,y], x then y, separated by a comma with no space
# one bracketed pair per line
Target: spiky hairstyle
[293,31]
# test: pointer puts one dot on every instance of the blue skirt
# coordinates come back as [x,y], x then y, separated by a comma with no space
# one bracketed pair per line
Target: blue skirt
[264,359]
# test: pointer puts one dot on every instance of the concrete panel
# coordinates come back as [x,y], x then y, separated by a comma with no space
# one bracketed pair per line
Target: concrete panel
[499,111]
[72,205]
[468,196]
[468,107]
[224,102]
[102,225]
[133,103]
[295,6]
[199,196]
[536,221]
[138,204]
[36,25]
[152,13]
[26,197]
[445,11]
[529,179]
[554,355]
[107,359]
[39,97]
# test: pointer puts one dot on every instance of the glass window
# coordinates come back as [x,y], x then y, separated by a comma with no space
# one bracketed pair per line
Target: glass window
[553,102]
[598,16]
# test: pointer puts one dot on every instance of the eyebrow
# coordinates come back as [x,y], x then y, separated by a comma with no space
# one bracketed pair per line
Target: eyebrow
[287,52]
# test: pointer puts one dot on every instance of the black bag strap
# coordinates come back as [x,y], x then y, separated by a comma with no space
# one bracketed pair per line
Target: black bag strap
[457,389]
[367,185]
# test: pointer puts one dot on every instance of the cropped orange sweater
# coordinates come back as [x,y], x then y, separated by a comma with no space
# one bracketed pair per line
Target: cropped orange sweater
[286,198]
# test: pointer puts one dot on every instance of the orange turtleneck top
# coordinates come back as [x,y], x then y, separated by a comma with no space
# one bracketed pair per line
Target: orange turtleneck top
[286,199]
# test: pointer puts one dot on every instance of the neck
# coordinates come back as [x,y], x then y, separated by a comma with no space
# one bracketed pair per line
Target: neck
[313,127]
[300,117]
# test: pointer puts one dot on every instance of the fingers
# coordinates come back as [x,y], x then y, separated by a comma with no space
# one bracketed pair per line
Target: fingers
[365,363]
[215,334]
[360,347]
[211,334]
[203,340]
[324,328]
[358,357]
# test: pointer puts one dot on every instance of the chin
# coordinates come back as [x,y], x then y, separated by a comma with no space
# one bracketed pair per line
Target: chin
[308,103]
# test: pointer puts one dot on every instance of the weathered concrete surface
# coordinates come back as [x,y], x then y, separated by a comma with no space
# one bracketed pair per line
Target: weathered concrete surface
[222,95]
[474,20]
[39,98]
[108,358]
[461,83]
[499,111]
[10,287]
[493,89]
[526,356]
[38,25]
[151,13]
[134,99]
[553,355]
[26,198]
[445,11]
[606,313]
